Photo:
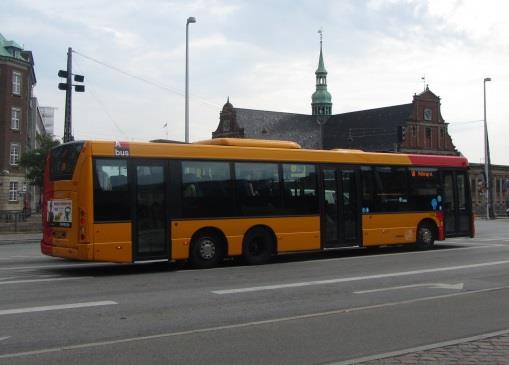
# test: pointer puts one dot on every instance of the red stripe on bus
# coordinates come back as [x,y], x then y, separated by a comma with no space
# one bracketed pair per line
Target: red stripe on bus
[449,161]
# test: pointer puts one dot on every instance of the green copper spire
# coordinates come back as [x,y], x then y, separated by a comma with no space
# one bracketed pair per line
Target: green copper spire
[321,103]
[321,67]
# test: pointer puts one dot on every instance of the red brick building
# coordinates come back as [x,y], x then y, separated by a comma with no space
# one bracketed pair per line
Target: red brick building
[17,78]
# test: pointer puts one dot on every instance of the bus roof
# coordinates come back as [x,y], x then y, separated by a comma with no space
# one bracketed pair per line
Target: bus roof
[263,150]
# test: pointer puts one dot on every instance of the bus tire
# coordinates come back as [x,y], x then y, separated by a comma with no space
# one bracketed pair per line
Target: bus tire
[425,236]
[258,246]
[207,250]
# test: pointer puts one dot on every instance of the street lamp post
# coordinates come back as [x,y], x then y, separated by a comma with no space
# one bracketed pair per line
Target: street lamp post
[489,206]
[189,20]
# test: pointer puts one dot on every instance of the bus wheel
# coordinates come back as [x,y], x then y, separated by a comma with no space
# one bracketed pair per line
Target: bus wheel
[258,246]
[425,236]
[206,250]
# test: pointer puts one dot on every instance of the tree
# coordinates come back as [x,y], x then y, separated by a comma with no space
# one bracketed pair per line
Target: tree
[33,161]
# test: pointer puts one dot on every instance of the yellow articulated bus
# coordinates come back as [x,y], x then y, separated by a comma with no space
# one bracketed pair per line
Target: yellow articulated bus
[202,202]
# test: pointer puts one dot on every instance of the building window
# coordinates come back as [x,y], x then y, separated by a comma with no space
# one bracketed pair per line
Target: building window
[13,191]
[14,155]
[15,118]
[16,83]
[428,137]
[226,125]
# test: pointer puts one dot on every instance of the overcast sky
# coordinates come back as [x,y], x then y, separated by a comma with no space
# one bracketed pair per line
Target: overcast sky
[263,55]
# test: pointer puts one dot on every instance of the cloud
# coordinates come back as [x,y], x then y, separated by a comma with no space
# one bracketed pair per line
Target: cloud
[263,55]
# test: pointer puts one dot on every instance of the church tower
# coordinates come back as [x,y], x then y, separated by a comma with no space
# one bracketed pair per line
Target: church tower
[321,103]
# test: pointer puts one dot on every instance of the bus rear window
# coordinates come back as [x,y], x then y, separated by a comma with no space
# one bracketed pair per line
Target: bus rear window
[63,160]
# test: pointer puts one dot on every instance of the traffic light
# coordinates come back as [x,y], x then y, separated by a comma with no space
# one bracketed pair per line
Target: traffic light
[66,85]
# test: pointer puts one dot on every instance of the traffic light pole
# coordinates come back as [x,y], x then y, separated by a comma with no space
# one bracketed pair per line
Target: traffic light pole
[68,100]
[68,86]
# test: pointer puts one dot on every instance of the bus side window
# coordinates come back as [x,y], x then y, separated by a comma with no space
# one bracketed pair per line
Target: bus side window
[111,190]
[118,182]
[367,189]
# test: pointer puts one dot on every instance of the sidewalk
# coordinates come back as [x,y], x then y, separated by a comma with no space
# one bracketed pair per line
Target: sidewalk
[31,224]
[492,348]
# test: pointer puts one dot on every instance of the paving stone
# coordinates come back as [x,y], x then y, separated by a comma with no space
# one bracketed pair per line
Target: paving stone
[493,350]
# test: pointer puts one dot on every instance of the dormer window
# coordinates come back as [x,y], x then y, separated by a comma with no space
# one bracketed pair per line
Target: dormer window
[226,125]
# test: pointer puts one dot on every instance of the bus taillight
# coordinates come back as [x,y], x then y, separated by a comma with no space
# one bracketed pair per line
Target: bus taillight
[83,224]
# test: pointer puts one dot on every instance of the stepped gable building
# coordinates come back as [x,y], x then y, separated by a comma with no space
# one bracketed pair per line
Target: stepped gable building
[417,127]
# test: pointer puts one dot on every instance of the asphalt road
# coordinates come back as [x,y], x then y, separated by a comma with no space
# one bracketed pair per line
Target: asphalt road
[332,307]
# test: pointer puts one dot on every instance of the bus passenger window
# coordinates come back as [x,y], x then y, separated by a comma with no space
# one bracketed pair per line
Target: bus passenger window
[367,189]
[424,189]
[111,195]
[206,189]
[391,189]
[258,188]
[300,195]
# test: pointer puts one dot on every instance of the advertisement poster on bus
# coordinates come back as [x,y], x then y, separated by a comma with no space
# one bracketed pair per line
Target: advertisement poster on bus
[60,213]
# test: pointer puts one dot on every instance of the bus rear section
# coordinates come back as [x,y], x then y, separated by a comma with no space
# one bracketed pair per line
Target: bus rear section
[64,219]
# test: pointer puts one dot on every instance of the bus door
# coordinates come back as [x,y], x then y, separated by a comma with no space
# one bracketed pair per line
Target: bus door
[151,238]
[456,204]
[340,218]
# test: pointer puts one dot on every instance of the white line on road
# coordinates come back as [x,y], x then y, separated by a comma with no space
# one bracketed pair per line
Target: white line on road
[4,338]
[242,325]
[56,307]
[355,278]
[27,281]
[458,286]
[58,265]
[7,277]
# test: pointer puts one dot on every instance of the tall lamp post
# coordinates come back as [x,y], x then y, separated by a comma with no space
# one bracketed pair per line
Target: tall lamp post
[489,205]
[191,19]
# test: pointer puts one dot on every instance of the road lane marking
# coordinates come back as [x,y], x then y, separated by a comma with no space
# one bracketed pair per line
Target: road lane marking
[56,307]
[458,286]
[4,338]
[421,348]
[7,277]
[59,266]
[27,281]
[243,325]
[381,253]
[355,278]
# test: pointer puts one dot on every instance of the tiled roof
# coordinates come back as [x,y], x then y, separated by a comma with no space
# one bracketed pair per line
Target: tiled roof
[372,130]
[300,128]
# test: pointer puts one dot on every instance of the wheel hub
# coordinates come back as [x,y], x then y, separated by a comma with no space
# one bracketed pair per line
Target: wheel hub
[426,235]
[207,249]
